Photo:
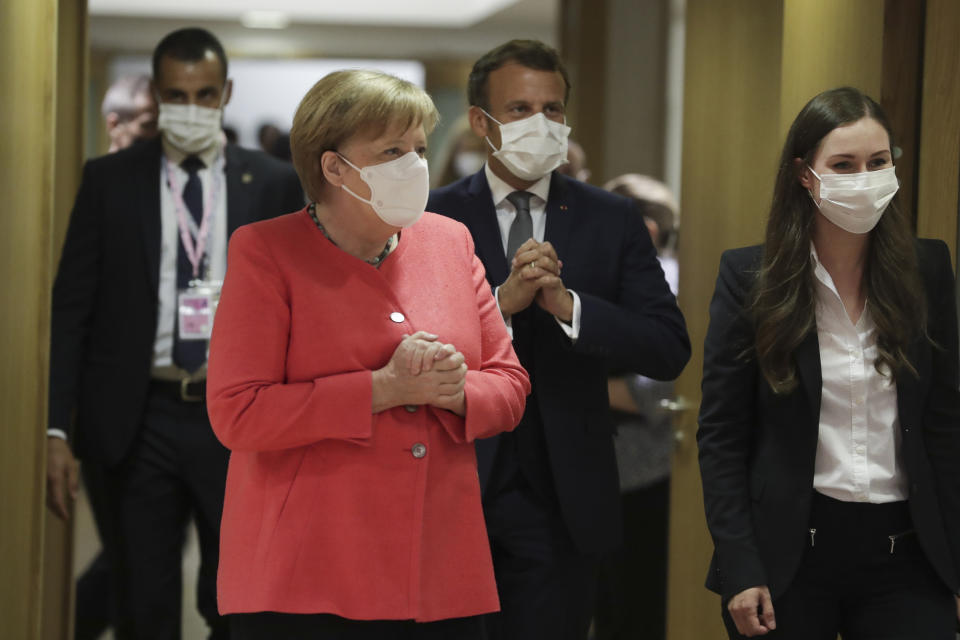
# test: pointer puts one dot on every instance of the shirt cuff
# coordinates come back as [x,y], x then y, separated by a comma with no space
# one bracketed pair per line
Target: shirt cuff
[57,433]
[506,319]
[573,329]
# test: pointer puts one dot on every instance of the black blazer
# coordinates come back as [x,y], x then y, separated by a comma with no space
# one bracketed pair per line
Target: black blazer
[757,449]
[104,311]
[629,319]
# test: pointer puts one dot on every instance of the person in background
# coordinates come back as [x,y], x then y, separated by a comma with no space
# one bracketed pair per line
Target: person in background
[357,355]
[281,148]
[132,306]
[578,283]
[661,214]
[830,422]
[576,165]
[631,600]
[267,134]
[230,134]
[129,111]
[463,154]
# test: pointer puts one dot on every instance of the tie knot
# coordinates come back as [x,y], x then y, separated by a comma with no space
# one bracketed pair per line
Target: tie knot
[192,164]
[520,200]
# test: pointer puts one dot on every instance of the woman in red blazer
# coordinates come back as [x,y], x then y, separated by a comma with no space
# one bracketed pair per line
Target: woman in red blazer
[355,358]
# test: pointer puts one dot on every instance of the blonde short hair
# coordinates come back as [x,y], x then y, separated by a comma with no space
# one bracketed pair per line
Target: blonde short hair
[346,103]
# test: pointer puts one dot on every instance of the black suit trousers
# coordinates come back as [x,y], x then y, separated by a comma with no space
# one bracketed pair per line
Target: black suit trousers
[863,576]
[176,469]
[547,586]
[632,593]
[95,608]
[270,625]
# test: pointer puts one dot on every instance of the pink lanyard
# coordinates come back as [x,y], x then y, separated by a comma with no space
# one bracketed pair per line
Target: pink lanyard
[194,250]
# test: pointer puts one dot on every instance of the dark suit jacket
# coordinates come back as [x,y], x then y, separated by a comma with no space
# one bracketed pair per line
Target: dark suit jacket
[104,313]
[757,449]
[629,319]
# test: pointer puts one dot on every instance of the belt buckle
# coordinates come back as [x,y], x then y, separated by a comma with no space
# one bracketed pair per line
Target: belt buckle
[185,395]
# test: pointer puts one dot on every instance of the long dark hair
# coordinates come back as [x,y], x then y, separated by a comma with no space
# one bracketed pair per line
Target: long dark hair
[784,302]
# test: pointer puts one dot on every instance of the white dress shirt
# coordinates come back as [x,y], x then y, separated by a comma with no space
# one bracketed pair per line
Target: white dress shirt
[858,449]
[216,262]
[506,213]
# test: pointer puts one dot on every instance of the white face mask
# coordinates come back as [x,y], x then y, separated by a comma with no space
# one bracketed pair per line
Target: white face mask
[189,127]
[398,189]
[531,148]
[855,201]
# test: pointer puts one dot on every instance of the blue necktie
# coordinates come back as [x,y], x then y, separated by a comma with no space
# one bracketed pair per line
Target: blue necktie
[189,354]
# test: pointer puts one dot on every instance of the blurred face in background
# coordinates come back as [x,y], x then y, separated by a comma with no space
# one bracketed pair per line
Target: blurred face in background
[576,166]
[139,124]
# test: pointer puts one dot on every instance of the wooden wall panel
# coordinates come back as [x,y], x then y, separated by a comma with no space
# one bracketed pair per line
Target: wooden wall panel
[903,26]
[57,622]
[583,32]
[730,124]
[828,44]
[27,118]
[940,125]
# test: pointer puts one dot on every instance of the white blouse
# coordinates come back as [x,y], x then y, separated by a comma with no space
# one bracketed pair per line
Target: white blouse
[858,449]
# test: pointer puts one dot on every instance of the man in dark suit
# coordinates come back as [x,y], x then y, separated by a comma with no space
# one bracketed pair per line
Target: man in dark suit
[132,304]
[129,111]
[577,280]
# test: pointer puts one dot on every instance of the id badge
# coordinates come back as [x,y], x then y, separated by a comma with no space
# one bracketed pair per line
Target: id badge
[195,310]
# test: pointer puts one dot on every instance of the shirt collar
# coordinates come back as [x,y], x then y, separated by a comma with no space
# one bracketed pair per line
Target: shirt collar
[207,156]
[826,281]
[819,270]
[500,189]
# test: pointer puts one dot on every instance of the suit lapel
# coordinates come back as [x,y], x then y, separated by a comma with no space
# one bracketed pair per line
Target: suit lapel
[240,179]
[808,369]
[147,199]
[481,218]
[908,390]
[560,215]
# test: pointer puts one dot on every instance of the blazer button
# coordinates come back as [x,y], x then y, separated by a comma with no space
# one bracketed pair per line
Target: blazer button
[412,408]
[419,450]
[397,317]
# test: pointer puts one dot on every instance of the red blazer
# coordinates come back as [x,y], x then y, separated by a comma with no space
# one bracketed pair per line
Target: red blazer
[327,508]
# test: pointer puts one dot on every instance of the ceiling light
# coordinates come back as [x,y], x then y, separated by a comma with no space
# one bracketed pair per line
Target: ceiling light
[265,19]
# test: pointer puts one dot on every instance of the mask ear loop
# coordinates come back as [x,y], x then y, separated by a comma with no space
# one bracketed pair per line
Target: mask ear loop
[351,191]
[810,191]
[487,137]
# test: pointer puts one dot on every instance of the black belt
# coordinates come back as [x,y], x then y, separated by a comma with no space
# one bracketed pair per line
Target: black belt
[183,390]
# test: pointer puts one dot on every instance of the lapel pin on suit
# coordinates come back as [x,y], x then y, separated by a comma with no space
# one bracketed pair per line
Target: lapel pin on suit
[246,178]
[563,207]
